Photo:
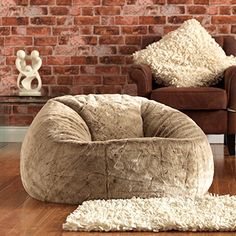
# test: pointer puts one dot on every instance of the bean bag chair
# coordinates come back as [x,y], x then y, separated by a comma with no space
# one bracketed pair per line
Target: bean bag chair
[113,146]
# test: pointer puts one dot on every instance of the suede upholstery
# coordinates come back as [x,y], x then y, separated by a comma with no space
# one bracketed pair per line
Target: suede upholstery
[206,98]
[66,159]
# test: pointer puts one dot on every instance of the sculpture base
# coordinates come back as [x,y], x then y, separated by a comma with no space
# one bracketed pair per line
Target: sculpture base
[30,93]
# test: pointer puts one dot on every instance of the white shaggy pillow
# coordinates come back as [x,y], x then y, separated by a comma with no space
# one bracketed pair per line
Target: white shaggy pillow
[186,57]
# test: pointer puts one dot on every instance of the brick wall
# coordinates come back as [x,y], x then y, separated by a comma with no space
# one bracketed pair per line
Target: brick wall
[86,44]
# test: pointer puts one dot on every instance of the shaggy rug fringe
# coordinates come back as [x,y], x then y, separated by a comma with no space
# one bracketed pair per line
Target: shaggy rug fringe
[211,213]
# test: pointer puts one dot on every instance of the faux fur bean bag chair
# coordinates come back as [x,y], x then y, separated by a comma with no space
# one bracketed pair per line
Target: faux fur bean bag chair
[113,146]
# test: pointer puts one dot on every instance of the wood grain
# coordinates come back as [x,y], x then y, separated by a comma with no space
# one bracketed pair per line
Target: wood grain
[22,215]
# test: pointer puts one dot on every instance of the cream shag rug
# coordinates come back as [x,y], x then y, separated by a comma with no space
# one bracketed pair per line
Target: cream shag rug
[211,213]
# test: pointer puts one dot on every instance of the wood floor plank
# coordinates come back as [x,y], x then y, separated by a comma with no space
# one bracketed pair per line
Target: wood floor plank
[22,215]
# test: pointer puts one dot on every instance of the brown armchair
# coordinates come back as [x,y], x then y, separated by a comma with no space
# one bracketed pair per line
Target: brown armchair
[212,108]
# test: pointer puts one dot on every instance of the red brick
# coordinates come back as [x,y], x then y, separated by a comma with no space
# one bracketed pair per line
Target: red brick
[35,11]
[130,89]
[111,40]
[223,29]
[108,80]
[179,1]
[5,109]
[222,2]
[201,2]
[133,40]
[234,10]
[87,80]
[58,60]
[106,30]
[172,10]
[127,50]
[45,41]
[66,70]
[87,69]
[156,29]
[48,79]
[34,109]
[45,70]
[86,20]
[134,30]
[41,31]
[233,29]
[87,11]
[197,10]
[64,2]
[223,20]
[59,10]
[136,10]
[42,2]
[211,29]
[108,89]
[131,2]
[43,20]
[21,120]
[213,10]
[84,60]
[107,20]
[103,50]
[107,70]
[169,28]
[75,90]
[83,40]
[7,51]
[19,41]
[161,2]
[22,2]
[113,2]
[65,30]
[178,19]
[126,20]
[129,60]
[15,20]
[87,2]
[1,41]
[65,20]
[88,89]
[147,20]
[18,30]
[225,10]
[20,109]
[107,10]
[112,60]
[65,80]
[11,60]
[43,51]
[5,30]
[86,30]
[65,50]
[60,90]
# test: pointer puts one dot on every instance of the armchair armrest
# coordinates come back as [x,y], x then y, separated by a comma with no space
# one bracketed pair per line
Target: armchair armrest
[142,76]
[230,87]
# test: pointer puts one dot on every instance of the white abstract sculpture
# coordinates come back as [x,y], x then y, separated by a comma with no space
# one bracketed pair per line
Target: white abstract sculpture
[28,73]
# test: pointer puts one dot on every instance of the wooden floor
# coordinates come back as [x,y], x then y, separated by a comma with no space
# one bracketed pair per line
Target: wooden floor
[22,215]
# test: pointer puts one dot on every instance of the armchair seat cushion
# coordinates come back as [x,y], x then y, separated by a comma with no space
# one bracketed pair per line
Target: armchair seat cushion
[207,98]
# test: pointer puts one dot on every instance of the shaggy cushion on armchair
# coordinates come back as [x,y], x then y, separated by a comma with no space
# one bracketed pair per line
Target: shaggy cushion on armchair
[113,146]
[186,57]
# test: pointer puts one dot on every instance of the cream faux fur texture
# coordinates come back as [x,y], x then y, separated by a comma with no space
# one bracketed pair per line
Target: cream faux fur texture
[210,213]
[186,57]
[113,146]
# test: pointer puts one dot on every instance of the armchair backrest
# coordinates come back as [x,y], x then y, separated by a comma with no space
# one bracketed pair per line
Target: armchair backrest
[228,43]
